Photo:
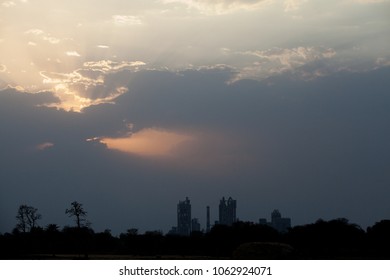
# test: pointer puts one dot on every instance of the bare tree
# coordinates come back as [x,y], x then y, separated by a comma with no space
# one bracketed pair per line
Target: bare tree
[27,218]
[78,212]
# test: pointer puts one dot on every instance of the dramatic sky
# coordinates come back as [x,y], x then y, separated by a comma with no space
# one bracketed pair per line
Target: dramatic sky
[130,106]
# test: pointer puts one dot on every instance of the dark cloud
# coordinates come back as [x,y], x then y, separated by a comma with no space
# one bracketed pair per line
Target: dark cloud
[317,148]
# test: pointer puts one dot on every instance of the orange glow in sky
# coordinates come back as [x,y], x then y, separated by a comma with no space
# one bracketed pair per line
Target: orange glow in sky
[147,142]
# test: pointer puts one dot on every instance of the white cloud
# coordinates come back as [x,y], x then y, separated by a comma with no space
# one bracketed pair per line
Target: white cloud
[383,61]
[274,61]
[43,35]
[51,40]
[293,5]
[73,53]
[110,66]
[70,78]
[8,4]
[103,47]
[220,6]
[126,20]
[294,56]
[35,31]
[370,1]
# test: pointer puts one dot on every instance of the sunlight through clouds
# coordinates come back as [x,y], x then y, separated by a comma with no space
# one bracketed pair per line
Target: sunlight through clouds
[250,98]
[150,142]
[58,44]
[86,86]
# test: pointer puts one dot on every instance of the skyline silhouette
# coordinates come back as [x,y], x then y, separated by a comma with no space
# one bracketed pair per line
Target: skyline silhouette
[227,238]
[335,239]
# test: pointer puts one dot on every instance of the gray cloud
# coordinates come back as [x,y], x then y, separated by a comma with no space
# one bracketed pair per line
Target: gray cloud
[295,145]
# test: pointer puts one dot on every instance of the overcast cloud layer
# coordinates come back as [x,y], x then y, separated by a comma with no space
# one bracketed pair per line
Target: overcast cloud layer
[130,107]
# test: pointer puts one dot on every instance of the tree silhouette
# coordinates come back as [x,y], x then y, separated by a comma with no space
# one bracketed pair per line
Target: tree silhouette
[334,239]
[379,241]
[27,218]
[52,228]
[78,212]
[52,235]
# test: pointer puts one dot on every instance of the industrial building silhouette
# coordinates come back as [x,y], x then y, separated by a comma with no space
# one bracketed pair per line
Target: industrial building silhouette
[184,217]
[277,221]
[227,211]
[227,216]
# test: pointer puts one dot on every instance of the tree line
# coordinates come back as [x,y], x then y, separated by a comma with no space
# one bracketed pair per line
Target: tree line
[334,239]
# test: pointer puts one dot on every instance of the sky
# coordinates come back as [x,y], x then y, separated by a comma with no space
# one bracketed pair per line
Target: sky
[130,106]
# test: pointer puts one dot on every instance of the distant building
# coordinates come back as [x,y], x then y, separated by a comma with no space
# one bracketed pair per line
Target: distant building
[277,221]
[263,222]
[195,225]
[184,217]
[227,211]
[172,231]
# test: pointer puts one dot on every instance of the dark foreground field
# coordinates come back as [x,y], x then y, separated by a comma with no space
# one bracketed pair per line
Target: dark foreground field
[336,239]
